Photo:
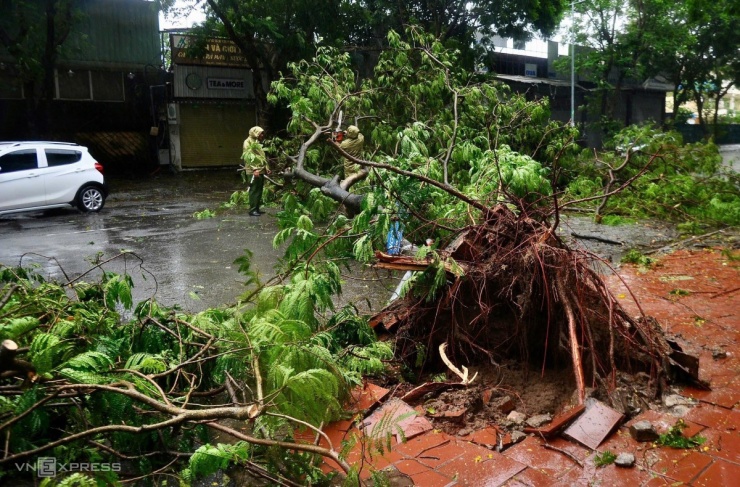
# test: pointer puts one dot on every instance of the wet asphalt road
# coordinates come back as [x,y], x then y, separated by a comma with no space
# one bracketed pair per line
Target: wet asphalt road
[175,258]
[184,260]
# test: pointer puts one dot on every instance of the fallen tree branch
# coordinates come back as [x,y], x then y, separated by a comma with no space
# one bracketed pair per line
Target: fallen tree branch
[333,188]
[310,448]
[594,237]
[575,348]
[723,293]
[406,263]
[566,453]
[178,417]
[615,191]
[8,294]
[428,387]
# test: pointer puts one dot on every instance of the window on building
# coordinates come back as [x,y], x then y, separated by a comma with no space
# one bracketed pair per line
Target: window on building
[107,86]
[73,85]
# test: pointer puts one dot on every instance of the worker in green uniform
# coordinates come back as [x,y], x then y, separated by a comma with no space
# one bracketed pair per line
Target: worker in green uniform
[255,161]
[352,143]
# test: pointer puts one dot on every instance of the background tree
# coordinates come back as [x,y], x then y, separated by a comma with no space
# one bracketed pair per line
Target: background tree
[34,33]
[693,44]
[468,26]
[273,34]
[610,57]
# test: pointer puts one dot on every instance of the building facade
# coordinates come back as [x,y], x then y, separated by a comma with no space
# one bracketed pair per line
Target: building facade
[107,77]
[533,72]
[213,104]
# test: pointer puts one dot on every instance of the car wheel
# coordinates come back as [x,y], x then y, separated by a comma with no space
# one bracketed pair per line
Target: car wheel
[90,198]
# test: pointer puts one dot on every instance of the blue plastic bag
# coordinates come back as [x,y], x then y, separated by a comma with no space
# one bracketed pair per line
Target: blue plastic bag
[395,237]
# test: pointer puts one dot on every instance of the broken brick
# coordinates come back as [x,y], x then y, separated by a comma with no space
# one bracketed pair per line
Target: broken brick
[594,425]
[643,431]
[558,423]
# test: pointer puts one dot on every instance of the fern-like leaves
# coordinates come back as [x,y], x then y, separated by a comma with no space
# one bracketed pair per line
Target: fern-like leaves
[209,459]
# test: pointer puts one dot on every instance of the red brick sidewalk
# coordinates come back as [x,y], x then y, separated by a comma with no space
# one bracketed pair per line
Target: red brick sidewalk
[696,297]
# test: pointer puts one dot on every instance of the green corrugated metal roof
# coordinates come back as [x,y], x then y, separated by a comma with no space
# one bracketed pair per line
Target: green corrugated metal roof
[117,32]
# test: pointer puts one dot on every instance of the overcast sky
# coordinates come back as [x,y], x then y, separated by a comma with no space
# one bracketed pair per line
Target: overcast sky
[183,15]
[186,13]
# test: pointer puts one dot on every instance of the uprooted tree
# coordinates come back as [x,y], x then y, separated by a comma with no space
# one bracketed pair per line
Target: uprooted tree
[462,160]
[450,156]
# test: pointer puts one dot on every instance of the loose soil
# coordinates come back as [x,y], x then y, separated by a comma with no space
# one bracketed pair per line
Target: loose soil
[498,391]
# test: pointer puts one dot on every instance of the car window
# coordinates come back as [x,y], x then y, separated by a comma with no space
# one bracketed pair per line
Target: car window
[19,160]
[60,157]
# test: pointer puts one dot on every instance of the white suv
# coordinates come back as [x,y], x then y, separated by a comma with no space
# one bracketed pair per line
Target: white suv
[44,175]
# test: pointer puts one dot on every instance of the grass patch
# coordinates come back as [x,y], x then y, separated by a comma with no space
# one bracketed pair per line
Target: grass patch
[679,292]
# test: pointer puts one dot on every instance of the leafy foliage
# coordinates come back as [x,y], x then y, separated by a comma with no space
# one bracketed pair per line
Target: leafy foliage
[428,119]
[279,345]
[675,438]
[209,458]
[683,183]
[204,215]
[73,480]
[604,458]
[634,256]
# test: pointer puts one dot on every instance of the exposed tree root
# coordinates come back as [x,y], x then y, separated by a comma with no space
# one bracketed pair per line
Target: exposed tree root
[526,295]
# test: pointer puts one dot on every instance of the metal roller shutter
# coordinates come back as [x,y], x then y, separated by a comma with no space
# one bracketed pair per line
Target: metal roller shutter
[212,135]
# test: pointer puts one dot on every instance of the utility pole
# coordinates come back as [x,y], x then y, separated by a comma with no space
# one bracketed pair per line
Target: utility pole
[572,65]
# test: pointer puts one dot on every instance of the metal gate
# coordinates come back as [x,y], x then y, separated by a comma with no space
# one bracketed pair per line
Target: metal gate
[212,135]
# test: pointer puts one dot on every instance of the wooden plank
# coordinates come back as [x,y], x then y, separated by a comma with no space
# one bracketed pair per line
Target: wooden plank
[406,263]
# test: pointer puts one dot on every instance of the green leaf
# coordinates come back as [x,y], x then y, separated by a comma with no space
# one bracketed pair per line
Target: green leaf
[146,363]
[14,328]
[84,377]
[90,361]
